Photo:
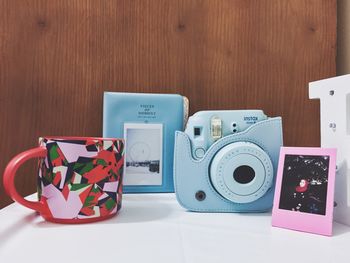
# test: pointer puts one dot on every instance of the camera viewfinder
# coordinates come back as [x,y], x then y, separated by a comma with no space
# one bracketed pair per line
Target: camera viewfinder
[197,131]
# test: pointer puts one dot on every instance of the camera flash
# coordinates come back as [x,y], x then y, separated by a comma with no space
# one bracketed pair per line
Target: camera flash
[216,131]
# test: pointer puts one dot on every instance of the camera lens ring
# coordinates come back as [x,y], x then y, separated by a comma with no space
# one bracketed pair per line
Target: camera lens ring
[233,156]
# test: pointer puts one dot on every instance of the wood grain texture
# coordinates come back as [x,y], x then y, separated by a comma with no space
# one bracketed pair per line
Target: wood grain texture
[57,58]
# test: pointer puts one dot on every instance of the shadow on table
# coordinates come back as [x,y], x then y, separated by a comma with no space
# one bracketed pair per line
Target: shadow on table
[135,209]
[340,229]
[16,227]
[137,214]
[129,214]
[262,214]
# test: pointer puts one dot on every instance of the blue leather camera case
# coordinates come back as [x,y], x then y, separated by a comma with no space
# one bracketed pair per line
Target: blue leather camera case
[191,176]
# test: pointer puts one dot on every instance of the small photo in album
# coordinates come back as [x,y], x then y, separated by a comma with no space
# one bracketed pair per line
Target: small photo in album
[143,161]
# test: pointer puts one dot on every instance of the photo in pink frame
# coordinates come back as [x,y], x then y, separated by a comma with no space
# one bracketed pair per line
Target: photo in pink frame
[304,193]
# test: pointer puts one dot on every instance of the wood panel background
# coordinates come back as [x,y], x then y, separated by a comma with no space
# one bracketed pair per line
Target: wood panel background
[57,58]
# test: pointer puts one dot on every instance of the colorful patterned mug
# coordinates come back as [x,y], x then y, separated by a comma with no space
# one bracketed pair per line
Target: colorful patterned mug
[79,179]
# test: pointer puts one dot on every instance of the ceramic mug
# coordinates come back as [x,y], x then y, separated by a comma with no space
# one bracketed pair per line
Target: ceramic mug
[79,178]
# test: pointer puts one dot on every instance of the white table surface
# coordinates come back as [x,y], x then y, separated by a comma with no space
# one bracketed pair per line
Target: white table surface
[154,228]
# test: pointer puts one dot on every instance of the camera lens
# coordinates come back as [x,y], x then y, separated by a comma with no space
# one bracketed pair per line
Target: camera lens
[243,174]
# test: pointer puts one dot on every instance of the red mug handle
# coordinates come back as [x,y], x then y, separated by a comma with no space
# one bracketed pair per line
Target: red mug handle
[10,173]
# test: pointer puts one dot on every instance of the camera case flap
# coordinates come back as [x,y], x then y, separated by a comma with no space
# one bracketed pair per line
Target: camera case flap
[194,186]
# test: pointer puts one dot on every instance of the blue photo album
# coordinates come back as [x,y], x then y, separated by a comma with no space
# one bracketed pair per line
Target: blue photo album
[148,123]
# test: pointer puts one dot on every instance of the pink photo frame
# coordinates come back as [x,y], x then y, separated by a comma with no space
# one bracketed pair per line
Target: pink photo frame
[304,193]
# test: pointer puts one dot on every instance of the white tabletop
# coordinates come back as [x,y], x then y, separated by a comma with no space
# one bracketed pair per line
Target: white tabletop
[154,228]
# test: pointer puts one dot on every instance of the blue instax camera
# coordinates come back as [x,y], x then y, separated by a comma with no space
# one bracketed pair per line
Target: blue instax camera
[226,161]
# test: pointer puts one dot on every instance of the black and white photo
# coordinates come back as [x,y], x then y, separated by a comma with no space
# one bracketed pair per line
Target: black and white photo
[143,162]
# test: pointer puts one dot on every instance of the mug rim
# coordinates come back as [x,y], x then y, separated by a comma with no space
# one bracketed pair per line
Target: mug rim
[79,138]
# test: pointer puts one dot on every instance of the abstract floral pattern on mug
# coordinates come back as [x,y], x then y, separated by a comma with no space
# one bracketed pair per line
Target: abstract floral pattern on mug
[83,177]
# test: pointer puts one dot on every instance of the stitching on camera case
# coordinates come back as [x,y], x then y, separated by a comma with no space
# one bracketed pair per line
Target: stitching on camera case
[192,176]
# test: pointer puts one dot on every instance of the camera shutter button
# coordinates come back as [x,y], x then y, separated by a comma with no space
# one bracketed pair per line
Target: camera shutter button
[199,152]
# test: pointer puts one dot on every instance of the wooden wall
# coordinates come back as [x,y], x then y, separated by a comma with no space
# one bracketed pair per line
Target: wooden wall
[57,58]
